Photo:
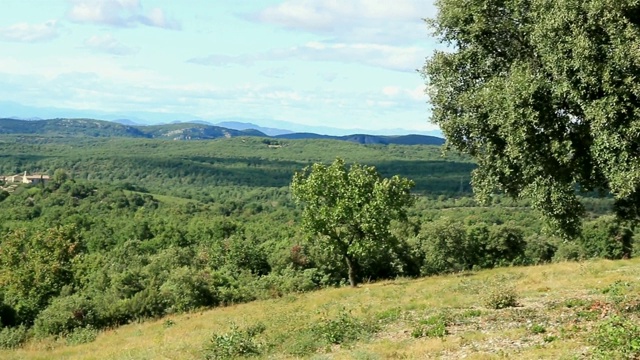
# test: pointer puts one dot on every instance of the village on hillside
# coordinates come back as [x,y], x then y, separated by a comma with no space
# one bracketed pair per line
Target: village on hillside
[10,182]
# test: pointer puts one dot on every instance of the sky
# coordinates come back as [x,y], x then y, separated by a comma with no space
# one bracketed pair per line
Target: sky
[347,64]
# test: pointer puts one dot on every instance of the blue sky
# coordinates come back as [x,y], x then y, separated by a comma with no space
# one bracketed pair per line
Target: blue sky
[337,63]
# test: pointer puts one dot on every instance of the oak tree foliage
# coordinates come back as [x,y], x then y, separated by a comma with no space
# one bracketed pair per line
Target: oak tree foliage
[545,94]
[351,208]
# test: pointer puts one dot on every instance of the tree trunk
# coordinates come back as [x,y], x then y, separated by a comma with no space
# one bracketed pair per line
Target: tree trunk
[351,264]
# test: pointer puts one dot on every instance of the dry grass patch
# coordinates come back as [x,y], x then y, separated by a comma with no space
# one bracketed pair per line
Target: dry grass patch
[558,307]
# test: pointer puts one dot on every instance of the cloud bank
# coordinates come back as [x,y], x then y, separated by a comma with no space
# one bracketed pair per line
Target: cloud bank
[387,22]
[406,59]
[30,33]
[119,13]
[108,44]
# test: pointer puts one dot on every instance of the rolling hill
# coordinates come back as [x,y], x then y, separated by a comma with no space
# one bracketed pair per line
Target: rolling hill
[184,131]
[99,128]
[371,139]
[562,310]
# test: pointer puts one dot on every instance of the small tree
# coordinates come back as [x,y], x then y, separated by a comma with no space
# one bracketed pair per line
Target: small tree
[350,209]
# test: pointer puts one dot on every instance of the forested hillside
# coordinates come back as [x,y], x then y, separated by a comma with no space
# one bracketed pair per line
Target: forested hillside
[182,131]
[99,128]
[130,229]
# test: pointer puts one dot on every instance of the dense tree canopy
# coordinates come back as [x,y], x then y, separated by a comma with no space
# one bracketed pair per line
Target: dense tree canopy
[351,208]
[545,94]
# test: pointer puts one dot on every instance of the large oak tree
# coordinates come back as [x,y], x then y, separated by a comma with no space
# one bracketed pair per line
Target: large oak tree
[545,94]
[350,209]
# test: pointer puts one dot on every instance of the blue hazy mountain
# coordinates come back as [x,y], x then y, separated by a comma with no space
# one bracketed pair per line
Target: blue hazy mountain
[270,127]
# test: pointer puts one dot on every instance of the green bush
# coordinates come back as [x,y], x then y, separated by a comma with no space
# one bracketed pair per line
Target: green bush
[64,315]
[449,246]
[569,251]
[82,335]
[302,344]
[286,281]
[499,296]
[112,311]
[148,303]
[539,250]
[505,246]
[445,247]
[343,328]
[185,290]
[617,292]
[538,329]
[13,337]
[607,238]
[235,343]
[434,326]
[616,338]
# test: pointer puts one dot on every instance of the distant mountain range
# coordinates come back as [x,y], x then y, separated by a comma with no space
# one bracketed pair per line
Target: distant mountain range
[187,131]
[272,127]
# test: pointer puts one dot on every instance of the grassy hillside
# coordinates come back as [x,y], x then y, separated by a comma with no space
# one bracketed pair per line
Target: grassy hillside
[563,311]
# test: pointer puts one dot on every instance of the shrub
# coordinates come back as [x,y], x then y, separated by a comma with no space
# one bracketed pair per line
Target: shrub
[607,238]
[82,335]
[64,315]
[444,245]
[448,246]
[539,250]
[499,296]
[342,329]
[112,311]
[14,337]
[186,290]
[505,246]
[286,281]
[434,326]
[148,303]
[617,292]
[235,343]
[616,338]
[569,251]
[538,329]
[302,344]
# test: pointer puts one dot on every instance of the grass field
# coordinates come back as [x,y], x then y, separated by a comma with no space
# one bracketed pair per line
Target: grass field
[561,310]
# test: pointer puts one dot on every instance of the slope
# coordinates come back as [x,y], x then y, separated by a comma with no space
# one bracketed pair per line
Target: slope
[69,127]
[99,128]
[564,310]
[412,139]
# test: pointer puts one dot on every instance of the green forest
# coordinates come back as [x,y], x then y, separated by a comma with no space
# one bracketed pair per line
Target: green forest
[131,229]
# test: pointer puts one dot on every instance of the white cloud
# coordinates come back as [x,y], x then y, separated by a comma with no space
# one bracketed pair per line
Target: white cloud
[328,76]
[418,93]
[390,22]
[118,13]
[108,44]
[382,56]
[24,32]
[279,72]
[391,90]
[109,93]
[225,60]
[397,92]
[328,14]
[157,18]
